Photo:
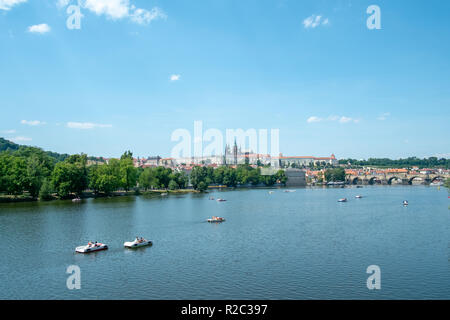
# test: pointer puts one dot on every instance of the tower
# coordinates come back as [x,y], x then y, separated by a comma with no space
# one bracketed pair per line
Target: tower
[235,151]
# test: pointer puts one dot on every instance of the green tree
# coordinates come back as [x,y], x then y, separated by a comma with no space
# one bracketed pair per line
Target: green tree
[179,178]
[218,175]
[13,174]
[128,172]
[104,178]
[199,178]
[39,167]
[269,180]
[173,185]
[281,177]
[46,191]
[202,186]
[230,177]
[336,174]
[146,179]
[70,176]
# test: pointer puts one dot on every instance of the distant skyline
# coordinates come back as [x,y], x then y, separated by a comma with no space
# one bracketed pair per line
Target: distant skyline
[137,70]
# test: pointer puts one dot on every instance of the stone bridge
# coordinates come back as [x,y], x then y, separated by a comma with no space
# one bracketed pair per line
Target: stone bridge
[400,178]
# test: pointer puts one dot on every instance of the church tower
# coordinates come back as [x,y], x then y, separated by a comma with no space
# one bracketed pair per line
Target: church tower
[235,152]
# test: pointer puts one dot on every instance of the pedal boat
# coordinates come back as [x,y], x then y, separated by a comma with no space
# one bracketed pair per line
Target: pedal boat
[216,220]
[91,248]
[342,200]
[137,243]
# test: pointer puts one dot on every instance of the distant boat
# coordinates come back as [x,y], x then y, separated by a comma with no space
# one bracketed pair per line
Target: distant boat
[216,219]
[76,199]
[290,190]
[270,192]
[436,184]
[221,200]
[335,183]
[342,200]
[358,197]
[164,194]
[405,203]
[359,186]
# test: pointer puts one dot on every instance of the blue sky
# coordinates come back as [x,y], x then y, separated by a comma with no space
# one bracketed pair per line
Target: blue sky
[137,70]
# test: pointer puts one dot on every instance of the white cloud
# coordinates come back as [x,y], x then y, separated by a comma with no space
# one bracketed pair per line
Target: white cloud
[20,139]
[314,119]
[9,131]
[8,4]
[341,119]
[345,120]
[32,122]
[87,125]
[175,77]
[314,21]
[383,116]
[39,28]
[120,9]
[142,16]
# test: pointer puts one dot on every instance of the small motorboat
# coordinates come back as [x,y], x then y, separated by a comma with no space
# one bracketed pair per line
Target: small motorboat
[405,203]
[342,200]
[216,219]
[164,194]
[76,199]
[358,197]
[91,247]
[270,192]
[290,191]
[138,242]
[359,187]
[221,200]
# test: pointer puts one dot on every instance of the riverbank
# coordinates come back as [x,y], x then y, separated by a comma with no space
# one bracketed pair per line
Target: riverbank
[92,195]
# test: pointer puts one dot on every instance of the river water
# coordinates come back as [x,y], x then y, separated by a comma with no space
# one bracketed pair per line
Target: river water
[284,245]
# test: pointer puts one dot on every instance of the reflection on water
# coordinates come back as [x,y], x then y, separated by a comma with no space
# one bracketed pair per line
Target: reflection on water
[296,245]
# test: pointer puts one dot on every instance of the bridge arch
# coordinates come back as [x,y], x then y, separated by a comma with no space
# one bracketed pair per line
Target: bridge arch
[357,180]
[375,180]
[438,178]
[399,180]
[411,180]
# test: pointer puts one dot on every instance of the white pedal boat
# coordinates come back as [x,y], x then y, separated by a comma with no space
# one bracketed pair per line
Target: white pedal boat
[216,219]
[137,243]
[91,248]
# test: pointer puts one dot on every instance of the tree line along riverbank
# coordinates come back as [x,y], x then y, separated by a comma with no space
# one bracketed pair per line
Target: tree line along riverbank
[31,174]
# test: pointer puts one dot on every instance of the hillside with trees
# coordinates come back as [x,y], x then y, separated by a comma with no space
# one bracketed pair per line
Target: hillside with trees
[432,162]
